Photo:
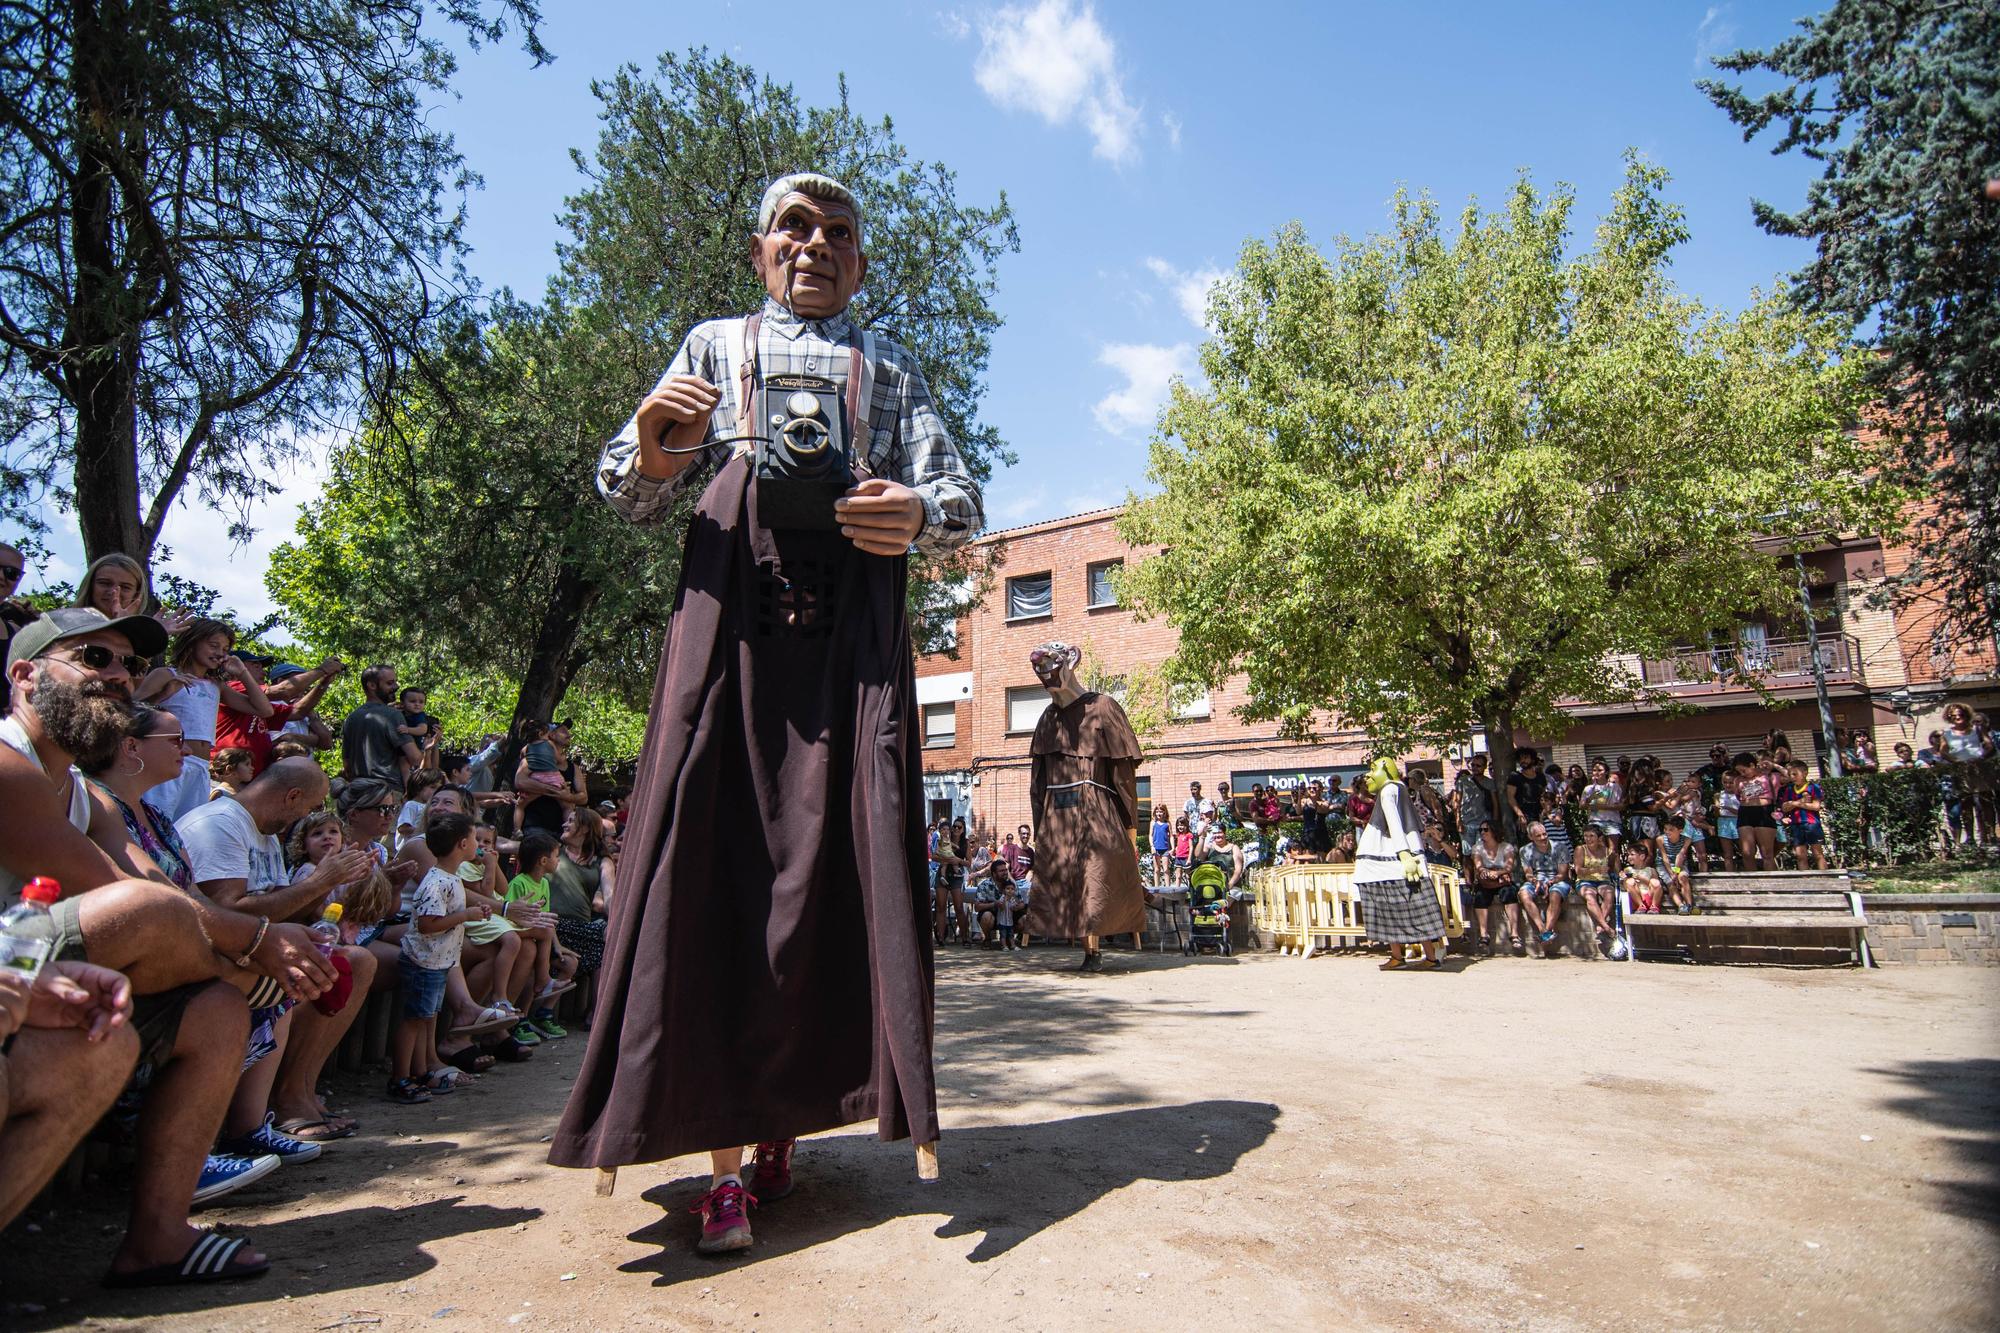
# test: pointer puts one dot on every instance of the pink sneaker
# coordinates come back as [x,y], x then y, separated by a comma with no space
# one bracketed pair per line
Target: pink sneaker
[725,1222]
[771,1178]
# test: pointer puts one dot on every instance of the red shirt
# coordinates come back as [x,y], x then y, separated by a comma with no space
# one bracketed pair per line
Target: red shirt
[247,731]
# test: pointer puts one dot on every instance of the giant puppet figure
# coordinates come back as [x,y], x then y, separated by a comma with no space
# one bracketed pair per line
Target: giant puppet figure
[768,969]
[1398,904]
[1084,793]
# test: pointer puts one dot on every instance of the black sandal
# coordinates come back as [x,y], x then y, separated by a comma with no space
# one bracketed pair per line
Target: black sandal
[408,1092]
[212,1258]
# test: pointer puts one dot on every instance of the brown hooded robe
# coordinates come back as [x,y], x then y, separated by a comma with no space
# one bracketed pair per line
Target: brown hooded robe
[1086,864]
[768,969]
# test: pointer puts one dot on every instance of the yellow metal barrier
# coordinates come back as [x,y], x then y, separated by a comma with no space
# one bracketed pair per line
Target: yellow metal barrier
[1297,907]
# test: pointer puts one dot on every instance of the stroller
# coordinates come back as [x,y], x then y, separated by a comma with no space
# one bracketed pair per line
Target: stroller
[1208,910]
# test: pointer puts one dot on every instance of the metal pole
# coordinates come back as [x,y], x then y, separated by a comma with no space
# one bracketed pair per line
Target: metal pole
[1826,727]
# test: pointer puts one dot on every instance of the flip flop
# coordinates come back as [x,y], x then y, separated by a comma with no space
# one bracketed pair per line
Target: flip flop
[322,1130]
[484,1026]
[212,1258]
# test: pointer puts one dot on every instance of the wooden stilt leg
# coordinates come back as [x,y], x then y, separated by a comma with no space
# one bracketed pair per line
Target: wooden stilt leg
[927,1162]
[607,1181]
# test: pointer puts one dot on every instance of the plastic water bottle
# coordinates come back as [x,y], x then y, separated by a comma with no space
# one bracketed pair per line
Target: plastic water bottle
[326,930]
[27,931]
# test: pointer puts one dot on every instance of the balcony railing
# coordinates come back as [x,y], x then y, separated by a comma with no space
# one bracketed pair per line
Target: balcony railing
[1774,662]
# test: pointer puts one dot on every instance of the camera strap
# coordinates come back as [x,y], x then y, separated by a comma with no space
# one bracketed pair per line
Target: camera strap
[860,384]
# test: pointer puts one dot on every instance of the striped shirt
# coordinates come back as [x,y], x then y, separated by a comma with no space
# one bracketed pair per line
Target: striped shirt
[906,439]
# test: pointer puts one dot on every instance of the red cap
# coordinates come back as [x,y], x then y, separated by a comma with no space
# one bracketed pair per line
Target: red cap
[41,889]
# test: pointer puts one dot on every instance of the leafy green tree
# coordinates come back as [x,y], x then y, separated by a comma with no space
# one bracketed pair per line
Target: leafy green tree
[1899,103]
[463,530]
[218,220]
[1439,481]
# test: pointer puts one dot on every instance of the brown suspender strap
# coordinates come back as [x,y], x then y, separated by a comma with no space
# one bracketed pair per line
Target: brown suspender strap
[747,380]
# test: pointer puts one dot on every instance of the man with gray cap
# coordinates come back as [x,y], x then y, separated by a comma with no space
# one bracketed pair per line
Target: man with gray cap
[772,875]
[72,672]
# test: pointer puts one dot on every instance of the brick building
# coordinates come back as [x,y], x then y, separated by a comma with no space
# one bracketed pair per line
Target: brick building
[980,706]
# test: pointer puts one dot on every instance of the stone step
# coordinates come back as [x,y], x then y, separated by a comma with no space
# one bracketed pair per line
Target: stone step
[1774,881]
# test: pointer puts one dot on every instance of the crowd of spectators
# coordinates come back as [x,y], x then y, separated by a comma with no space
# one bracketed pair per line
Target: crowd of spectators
[171,783]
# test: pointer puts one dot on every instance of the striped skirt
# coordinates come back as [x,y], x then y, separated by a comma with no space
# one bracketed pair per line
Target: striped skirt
[1395,911]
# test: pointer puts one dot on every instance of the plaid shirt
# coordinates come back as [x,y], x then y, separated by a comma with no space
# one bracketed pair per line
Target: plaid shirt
[906,438]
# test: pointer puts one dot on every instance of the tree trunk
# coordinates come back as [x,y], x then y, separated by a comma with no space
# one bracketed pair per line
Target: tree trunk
[553,662]
[100,340]
[1499,724]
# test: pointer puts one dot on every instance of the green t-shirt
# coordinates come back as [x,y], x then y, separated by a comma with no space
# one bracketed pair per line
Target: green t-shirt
[535,891]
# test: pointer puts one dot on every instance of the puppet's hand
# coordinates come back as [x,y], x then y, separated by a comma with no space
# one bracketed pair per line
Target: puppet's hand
[881,517]
[1413,869]
[674,417]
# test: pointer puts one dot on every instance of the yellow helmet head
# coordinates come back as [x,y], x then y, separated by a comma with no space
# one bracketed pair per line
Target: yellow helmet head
[1381,773]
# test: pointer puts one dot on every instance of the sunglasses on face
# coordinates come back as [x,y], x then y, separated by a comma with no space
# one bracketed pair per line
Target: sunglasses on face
[96,657]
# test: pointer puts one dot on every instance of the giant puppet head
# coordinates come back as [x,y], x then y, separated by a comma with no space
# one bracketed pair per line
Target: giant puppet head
[1381,773]
[1054,664]
[807,247]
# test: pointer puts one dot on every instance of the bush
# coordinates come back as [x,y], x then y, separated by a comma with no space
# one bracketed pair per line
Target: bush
[1900,806]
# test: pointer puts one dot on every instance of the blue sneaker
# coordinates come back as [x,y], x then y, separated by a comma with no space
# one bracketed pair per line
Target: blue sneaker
[266,1139]
[223,1172]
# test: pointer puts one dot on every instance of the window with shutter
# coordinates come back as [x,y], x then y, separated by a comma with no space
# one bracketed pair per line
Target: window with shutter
[1030,596]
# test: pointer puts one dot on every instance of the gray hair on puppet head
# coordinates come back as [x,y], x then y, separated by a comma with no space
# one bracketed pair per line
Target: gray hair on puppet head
[1054,655]
[812,185]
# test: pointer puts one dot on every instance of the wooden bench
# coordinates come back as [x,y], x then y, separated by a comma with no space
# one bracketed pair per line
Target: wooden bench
[1750,917]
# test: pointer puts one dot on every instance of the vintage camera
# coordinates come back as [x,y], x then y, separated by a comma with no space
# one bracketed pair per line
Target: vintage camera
[804,462]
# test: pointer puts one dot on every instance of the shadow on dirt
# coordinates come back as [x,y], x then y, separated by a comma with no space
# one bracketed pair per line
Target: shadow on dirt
[1961,1097]
[398,1235]
[852,1182]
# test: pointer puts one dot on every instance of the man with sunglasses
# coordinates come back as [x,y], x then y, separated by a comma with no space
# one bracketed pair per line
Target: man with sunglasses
[72,672]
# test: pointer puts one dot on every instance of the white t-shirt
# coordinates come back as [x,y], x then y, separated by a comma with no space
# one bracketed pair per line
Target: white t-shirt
[411,816]
[16,739]
[440,893]
[223,842]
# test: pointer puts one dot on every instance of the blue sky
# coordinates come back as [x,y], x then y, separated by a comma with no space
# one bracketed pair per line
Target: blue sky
[1141,145]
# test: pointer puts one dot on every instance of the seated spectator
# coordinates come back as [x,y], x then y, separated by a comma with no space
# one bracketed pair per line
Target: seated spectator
[229,771]
[71,674]
[1593,864]
[1344,847]
[1545,885]
[289,683]
[234,850]
[581,887]
[1902,756]
[1436,853]
[554,966]
[66,1048]
[418,789]
[1678,851]
[1639,879]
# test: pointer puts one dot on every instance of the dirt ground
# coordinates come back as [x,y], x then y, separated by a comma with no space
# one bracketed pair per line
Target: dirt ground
[1306,1144]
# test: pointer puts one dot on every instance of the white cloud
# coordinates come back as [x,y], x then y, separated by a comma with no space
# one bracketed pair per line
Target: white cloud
[1190,289]
[1715,36]
[954,25]
[1171,123]
[1149,369]
[1056,61]
[1018,508]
